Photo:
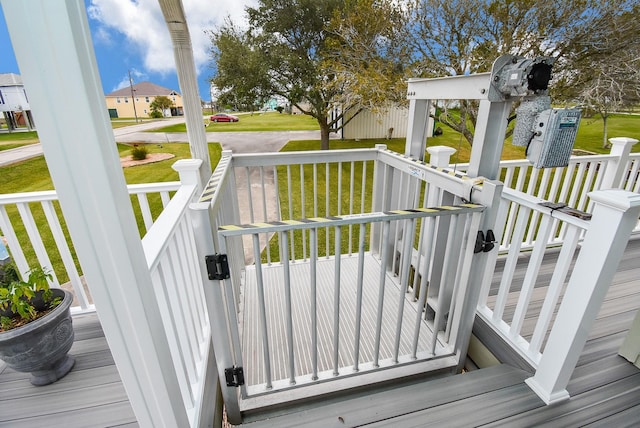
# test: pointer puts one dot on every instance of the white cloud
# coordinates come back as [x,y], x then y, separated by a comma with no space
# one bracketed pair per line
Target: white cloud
[142,24]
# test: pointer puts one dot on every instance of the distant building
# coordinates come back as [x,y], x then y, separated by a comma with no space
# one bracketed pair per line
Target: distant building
[14,103]
[121,104]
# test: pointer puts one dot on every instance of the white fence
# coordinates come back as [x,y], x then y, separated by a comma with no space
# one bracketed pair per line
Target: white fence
[569,185]
[36,235]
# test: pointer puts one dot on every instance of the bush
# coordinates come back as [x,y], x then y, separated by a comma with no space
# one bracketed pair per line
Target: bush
[279,109]
[156,114]
[139,153]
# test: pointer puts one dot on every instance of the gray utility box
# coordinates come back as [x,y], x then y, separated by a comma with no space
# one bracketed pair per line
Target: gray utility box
[553,138]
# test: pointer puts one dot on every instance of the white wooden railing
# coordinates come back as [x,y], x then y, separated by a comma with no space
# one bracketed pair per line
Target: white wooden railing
[36,235]
[170,249]
[347,203]
[550,338]
[570,185]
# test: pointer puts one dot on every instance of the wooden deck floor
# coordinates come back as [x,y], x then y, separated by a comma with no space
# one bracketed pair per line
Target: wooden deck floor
[605,388]
[274,291]
[91,395]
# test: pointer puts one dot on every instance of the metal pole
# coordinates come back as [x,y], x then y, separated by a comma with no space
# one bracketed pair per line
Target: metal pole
[133,99]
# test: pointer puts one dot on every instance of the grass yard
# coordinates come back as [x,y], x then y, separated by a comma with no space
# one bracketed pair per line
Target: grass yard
[33,175]
[17,139]
[591,131]
[256,122]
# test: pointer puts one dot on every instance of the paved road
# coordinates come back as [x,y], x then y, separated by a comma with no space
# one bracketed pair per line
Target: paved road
[238,142]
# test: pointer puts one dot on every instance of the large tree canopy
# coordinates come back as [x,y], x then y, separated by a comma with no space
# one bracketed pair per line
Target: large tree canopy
[291,49]
[328,57]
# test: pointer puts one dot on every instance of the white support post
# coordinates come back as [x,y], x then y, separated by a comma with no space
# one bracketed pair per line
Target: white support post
[187,78]
[52,42]
[614,216]
[620,148]
[488,139]
[440,156]
[189,172]
[203,232]
[417,128]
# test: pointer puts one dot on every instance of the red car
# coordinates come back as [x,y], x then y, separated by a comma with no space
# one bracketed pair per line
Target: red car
[222,117]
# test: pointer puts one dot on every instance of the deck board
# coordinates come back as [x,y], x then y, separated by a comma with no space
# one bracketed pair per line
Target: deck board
[274,291]
[91,395]
[605,388]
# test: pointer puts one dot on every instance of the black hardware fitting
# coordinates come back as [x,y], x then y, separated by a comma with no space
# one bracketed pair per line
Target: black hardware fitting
[484,244]
[234,376]
[217,266]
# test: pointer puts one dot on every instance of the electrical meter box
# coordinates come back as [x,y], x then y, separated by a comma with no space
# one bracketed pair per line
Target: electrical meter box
[553,138]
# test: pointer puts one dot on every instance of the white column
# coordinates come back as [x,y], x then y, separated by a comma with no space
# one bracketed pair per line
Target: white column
[620,148]
[187,78]
[417,128]
[614,216]
[488,139]
[52,42]
[440,156]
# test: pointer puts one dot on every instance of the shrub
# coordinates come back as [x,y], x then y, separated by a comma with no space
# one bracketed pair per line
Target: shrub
[156,114]
[139,152]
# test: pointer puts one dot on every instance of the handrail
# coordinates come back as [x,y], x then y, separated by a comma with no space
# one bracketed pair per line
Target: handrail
[365,218]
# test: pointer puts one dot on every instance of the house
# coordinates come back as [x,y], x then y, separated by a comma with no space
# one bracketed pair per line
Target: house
[396,262]
[122,103]
[14,103]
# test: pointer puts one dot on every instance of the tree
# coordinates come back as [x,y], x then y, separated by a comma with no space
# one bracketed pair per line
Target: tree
[290,49]
[605,75]
[368,54]
[457,37]
[160,104]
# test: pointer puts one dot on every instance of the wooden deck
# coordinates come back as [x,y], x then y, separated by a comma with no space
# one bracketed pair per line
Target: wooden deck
[274,291]
[605,388]
[91,395]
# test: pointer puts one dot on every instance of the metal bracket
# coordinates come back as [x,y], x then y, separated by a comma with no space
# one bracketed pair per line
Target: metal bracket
[217,266]
[484,244]
[234,376]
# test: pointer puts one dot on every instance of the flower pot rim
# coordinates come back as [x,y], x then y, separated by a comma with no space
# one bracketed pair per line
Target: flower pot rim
[30,326]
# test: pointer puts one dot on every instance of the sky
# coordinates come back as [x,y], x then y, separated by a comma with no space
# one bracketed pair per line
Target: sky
[131,35]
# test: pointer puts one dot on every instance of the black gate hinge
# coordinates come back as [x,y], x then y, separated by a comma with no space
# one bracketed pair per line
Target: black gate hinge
[234,376]
[217,266]
[484,244]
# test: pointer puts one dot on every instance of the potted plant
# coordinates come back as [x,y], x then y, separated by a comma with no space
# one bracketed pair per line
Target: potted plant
[35,326]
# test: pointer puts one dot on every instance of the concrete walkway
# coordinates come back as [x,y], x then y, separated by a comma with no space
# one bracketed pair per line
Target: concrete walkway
[238,142]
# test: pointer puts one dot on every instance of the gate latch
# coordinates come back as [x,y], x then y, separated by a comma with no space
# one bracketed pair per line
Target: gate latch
[484,244]
[217,266]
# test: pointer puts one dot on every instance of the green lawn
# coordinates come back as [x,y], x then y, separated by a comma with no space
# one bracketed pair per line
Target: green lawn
[17,139]
[271,121]
[591,131]
[33,175]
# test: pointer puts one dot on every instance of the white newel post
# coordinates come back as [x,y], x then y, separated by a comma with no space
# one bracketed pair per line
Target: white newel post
[614,216]
[52,42]
[189,172]
[620,148]
[440,156]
